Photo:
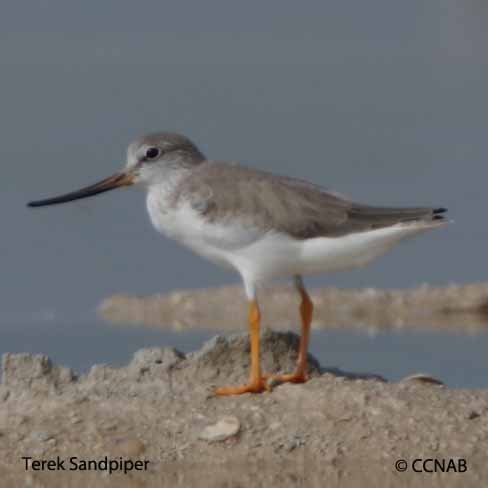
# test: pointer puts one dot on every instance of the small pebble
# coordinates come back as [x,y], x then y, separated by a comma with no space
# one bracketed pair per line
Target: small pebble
[130,448]
[224,429]
[274,425]
[41,435]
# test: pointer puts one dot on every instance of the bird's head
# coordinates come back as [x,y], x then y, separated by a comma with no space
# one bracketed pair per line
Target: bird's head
[151,160]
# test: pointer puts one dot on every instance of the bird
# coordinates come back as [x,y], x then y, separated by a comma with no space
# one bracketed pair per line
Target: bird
[262,225]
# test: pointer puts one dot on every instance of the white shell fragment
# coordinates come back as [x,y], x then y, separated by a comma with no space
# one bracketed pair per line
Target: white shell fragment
[423,378]
[225,428]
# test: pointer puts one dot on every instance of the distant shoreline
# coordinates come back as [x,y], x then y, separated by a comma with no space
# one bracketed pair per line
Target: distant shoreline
[451,307]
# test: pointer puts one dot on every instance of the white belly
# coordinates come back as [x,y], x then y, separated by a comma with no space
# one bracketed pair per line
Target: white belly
[262,256]
[277,255]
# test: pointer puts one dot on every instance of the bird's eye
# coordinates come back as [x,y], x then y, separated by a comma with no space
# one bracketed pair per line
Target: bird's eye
[152,153]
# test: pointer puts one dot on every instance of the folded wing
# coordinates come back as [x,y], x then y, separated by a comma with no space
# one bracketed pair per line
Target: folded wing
[300,209]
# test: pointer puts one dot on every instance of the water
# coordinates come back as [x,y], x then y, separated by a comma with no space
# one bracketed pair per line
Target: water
[457,359]
[383,101]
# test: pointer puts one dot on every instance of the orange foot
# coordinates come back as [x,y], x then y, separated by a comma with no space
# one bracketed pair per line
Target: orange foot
[255,387]
[286,378]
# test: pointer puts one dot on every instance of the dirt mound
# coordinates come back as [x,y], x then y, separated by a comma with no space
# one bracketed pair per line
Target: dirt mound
[159,408]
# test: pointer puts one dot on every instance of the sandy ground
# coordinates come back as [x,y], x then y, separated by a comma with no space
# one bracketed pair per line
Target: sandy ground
[450,307]
[337,429]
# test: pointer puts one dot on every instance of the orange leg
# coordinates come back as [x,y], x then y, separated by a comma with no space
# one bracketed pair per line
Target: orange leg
[256,381]
[306,311]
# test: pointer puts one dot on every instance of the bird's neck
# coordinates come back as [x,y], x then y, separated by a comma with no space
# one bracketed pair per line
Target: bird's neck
[166,189]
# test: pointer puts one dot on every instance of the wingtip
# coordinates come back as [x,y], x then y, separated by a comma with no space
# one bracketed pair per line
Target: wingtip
[439,210]
[437,214]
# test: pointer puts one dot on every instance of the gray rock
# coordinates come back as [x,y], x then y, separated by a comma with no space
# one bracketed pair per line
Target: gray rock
[41,435]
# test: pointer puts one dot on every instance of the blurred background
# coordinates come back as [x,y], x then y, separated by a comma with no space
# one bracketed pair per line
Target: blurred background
[383,101]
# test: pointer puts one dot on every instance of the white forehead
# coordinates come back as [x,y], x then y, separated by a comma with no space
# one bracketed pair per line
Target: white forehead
[136,151]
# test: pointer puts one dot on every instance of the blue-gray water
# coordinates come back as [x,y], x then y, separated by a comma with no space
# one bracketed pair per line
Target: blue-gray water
[384,101]
[458,360]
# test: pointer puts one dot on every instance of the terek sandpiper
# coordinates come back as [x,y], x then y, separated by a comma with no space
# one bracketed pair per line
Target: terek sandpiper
[263,225]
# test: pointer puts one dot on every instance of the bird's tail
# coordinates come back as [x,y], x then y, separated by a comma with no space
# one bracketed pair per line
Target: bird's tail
[385,216]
